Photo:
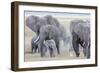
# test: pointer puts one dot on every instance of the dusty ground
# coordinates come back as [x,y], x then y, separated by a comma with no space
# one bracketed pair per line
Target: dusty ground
[63,56]
[36,56]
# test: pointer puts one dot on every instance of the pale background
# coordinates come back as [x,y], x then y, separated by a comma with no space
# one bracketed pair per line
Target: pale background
[5,36]
[64,19]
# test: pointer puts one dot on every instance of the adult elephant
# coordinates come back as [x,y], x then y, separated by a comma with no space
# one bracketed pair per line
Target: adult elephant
[35,22]
[46,24]
[50,32]
[80,30]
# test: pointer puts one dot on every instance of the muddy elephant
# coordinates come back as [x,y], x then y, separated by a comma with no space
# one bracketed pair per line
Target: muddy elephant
[80,30]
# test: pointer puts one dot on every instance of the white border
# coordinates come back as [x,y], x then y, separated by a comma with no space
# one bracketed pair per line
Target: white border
[23,64]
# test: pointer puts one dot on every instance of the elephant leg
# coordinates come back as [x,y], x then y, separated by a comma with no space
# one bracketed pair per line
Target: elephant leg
[32,48]
[41,50]
[86,50]
[76,48]
[75,43]
[57,45]
[38,50]
[51,52]
[35,49]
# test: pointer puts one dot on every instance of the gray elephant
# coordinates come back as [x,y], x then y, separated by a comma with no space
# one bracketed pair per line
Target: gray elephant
[51,46]
[49,32]
[47,28]
[35,22]
[34,44]
[51,20]
[80,30]
[47,45]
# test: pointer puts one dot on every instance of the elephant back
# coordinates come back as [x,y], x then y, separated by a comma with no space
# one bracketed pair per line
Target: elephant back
[51,20]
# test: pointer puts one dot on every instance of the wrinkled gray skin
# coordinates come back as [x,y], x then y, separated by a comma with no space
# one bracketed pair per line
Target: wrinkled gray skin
[34,44]
[35,22]
[47,45]
[51,20]
[80,30]
[51,46]
[49,32]
[46,28]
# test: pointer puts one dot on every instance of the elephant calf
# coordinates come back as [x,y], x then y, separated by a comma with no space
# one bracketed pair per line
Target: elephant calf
[34,44]
[47,45]
[51,46]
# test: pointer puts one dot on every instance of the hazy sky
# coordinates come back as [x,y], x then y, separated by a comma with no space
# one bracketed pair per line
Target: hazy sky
[60,14]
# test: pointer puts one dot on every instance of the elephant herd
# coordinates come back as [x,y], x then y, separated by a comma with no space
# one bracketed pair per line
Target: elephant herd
[49,33]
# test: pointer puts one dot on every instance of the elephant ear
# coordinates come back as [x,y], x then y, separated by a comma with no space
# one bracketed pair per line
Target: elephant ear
[31,22]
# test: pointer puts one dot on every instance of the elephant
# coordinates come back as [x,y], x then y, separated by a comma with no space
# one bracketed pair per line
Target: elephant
[51,46]
[34,45]
[35,22]
[80,30]
[51,20]
[47,45]
[49,32]
[47,28]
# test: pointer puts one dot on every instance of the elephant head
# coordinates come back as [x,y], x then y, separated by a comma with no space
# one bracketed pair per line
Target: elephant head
[35,23]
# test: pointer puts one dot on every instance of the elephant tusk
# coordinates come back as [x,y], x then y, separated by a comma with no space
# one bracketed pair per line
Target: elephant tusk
[36,39]
[83,43]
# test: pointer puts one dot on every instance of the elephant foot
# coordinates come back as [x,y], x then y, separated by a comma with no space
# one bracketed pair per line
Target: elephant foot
[52,55]
[42,55]
[32,51]
[87,56]
[77,55]
[58,52]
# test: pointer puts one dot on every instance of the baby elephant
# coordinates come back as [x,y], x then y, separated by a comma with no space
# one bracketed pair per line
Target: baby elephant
[34,44]
[51,46]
